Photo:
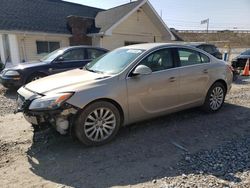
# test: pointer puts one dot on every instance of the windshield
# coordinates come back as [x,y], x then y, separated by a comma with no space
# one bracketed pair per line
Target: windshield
[51,56]
[246,52]
[114,62]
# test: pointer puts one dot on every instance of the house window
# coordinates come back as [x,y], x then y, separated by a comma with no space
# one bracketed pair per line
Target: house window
[127,43]
[46,46]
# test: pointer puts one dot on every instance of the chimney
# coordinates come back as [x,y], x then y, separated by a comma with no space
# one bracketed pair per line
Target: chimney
[79,27]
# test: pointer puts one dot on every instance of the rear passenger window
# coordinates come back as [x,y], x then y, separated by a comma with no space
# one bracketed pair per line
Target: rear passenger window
[74,55]
[189,57]
[204,58]
[94,53]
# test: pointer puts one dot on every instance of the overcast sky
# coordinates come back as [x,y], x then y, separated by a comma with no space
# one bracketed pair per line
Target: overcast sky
[187,14]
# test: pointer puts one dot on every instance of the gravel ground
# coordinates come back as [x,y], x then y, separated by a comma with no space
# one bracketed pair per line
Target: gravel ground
[7,101]
[224,166]
[185,149]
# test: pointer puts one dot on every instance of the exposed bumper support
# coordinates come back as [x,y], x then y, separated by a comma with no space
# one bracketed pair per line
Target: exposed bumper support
[60,119]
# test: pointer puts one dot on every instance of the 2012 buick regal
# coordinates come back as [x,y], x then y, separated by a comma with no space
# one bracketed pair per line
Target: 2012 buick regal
[127,85]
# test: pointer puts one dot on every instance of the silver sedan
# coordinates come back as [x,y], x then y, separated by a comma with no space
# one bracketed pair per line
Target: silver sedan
[127,85]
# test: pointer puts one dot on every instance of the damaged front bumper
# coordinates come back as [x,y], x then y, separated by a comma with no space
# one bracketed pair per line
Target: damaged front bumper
[61,118]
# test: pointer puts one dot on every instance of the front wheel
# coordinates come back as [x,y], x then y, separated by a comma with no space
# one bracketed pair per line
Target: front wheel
[98,123]
[215,97]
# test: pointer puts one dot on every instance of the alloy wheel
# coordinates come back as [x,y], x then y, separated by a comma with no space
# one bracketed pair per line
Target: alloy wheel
[216,98]
[100,124]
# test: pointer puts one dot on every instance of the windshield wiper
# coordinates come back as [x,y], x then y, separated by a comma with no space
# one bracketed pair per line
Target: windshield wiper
[95,71]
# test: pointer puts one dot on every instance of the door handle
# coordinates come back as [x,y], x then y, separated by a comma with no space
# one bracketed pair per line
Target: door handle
[205,71]
[172,79]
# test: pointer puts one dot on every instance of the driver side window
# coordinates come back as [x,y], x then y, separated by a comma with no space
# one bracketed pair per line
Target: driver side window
[159,60]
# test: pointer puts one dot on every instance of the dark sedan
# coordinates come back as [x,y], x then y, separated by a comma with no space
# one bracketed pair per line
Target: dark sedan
[240,61]
[209,48]
[60,60]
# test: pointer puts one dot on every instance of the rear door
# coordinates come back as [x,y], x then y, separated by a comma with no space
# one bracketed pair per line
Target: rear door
[158,92]
[195,70]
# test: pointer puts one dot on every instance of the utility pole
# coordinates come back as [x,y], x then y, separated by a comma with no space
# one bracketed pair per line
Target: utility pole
[205,22]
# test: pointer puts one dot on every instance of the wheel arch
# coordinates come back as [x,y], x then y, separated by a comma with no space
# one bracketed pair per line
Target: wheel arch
[39,72]
[35,73]
[223,82]
[115,103]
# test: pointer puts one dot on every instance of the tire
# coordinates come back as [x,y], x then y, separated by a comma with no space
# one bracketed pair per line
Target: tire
[215,98]
[97,124]
[34,77]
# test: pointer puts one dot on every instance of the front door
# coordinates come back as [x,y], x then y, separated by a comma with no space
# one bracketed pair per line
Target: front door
[156,93]
[72,59]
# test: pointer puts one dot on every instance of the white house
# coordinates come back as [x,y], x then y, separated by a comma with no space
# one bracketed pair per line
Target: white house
[29,29]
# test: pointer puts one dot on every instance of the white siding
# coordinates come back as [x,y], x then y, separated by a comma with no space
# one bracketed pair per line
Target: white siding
[1,49]
[28,48]
[14,49]
[136,28]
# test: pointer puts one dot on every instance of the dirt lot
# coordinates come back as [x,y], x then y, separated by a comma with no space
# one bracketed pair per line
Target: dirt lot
[186,149]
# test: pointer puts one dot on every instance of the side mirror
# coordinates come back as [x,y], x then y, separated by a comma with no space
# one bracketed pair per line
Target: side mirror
[142,70]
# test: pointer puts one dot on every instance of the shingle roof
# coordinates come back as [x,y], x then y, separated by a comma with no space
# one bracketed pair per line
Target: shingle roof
[41,15]
[106,19]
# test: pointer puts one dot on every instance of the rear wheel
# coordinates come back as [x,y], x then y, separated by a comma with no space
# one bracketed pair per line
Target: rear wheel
[98,123]
[215,97]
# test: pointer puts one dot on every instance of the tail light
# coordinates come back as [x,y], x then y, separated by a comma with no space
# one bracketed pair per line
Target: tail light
[230,68]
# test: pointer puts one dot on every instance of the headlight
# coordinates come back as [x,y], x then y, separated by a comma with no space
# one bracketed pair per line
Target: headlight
[11,73]
[49,102]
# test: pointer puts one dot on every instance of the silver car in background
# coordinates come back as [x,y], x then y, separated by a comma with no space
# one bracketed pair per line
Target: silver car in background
[127,85]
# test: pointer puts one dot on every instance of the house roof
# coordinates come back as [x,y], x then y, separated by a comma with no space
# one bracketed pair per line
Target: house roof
[50,16]
[41,15]
[106,19]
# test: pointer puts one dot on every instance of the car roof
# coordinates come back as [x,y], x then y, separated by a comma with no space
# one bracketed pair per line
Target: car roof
[201,44]
[83,46]
[148,46]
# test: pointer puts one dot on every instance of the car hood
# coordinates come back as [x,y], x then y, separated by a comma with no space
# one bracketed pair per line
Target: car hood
[26,65]
[69,81]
